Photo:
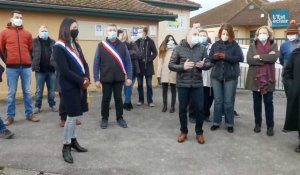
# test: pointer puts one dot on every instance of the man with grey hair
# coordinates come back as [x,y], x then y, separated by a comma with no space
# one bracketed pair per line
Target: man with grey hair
[44,71]
[112,68]
[188,60]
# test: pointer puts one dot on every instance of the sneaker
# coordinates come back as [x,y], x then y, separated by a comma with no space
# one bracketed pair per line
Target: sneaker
[122,123]
[192,120]
[36,110]
[104,124]
[214,127]
[152,105]
[32,118]
[8,121]
[6,134]
[139,103]
[270,132]
[257,129]
[54,109]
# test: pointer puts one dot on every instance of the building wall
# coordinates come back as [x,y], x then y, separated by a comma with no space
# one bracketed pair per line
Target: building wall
[33,20]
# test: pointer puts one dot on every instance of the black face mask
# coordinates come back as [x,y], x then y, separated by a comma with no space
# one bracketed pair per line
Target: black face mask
[74,33]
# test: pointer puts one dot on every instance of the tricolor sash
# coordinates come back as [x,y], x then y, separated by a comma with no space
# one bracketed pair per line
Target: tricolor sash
[73,54]
[110,49]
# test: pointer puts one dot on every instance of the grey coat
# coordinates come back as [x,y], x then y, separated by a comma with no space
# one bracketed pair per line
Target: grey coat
[254,63]
[191,77]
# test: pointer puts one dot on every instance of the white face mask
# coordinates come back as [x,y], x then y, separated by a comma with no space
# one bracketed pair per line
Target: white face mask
[202,39]
[224,38]
[171,44]
[292,37]
[17,22]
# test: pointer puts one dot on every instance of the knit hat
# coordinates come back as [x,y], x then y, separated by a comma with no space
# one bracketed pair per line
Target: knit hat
[292,29]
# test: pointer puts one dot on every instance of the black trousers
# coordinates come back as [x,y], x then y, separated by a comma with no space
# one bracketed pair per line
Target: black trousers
[108,89]
[186,97]
[208,95]
[269,108]
[62,108]
[165,94]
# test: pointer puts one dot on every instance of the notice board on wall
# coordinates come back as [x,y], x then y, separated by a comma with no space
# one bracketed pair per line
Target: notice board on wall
[96,31]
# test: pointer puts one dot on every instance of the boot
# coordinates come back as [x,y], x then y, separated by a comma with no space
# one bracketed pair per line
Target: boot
[165,97]
[76,146]
[172,110]
[66,153]
[164,109]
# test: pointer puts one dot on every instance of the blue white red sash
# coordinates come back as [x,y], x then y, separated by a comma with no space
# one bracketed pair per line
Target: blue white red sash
[73,55]
[115,54]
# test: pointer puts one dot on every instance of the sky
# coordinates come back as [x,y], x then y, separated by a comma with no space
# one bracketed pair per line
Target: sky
[209,4]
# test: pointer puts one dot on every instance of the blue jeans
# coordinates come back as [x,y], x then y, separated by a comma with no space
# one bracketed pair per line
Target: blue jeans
[224,94]
[2,126]
[13,75]
[128,91]
[41,79]
[193,96]
[269,108]
[140,79]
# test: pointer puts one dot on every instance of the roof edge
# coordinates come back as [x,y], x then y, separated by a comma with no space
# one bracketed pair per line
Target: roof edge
[173,5]
[85,11]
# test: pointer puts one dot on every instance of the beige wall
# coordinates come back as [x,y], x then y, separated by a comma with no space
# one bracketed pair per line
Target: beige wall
[32,21]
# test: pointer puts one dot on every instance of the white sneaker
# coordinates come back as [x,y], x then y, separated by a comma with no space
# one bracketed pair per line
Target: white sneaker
[139,103]
[152,105]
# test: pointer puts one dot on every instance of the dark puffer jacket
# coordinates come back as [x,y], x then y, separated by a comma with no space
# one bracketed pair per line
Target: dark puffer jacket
[229,68]
[191,77]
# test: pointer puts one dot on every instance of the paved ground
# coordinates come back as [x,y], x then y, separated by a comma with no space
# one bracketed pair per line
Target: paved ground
[149,145]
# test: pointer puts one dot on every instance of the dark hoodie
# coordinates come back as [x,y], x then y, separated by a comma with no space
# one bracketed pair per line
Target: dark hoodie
[191,77]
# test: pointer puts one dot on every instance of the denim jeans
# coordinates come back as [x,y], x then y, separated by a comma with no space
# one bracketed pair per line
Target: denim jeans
[107,90]
[140,79]
[269,108]
[50,79]
[2,126]
[192,96]
[128,91]
[224,96]
[13,75]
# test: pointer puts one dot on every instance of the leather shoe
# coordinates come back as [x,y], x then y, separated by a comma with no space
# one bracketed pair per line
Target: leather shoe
[8,121]
[200,139]
[32,118]
[182,137]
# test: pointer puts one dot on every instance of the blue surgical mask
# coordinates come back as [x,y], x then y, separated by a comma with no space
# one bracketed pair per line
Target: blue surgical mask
[202,39]
[263,37]
[112,35]
[44,35]
[195,40]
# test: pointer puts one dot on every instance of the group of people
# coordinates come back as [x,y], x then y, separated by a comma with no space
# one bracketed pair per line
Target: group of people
[199,71]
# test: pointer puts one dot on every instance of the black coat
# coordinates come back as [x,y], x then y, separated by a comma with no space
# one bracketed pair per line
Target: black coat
[229,68]
[147,53]
[291,76]
[192,77]
[134,55]
[70,81]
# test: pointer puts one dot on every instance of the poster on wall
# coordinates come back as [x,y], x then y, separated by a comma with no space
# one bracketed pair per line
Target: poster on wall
[153,31]
[179,24]
[99,30]
[135,31]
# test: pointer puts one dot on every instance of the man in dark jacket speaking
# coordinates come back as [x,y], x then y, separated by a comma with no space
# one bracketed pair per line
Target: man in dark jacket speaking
[188,60]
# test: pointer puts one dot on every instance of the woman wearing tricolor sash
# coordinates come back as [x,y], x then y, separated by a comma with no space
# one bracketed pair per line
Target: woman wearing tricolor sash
[73,80]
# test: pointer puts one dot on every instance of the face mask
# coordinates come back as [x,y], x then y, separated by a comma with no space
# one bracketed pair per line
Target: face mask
[74,33]
[202,39]
[224,38]
[112,35]
[292,37]
[44,35]
[17,22]
[263,37]
[195,40]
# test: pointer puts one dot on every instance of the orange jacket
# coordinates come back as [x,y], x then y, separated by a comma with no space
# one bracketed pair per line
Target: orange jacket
[16,46]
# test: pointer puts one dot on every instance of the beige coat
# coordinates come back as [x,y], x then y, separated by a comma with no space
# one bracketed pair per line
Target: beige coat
[163,70]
